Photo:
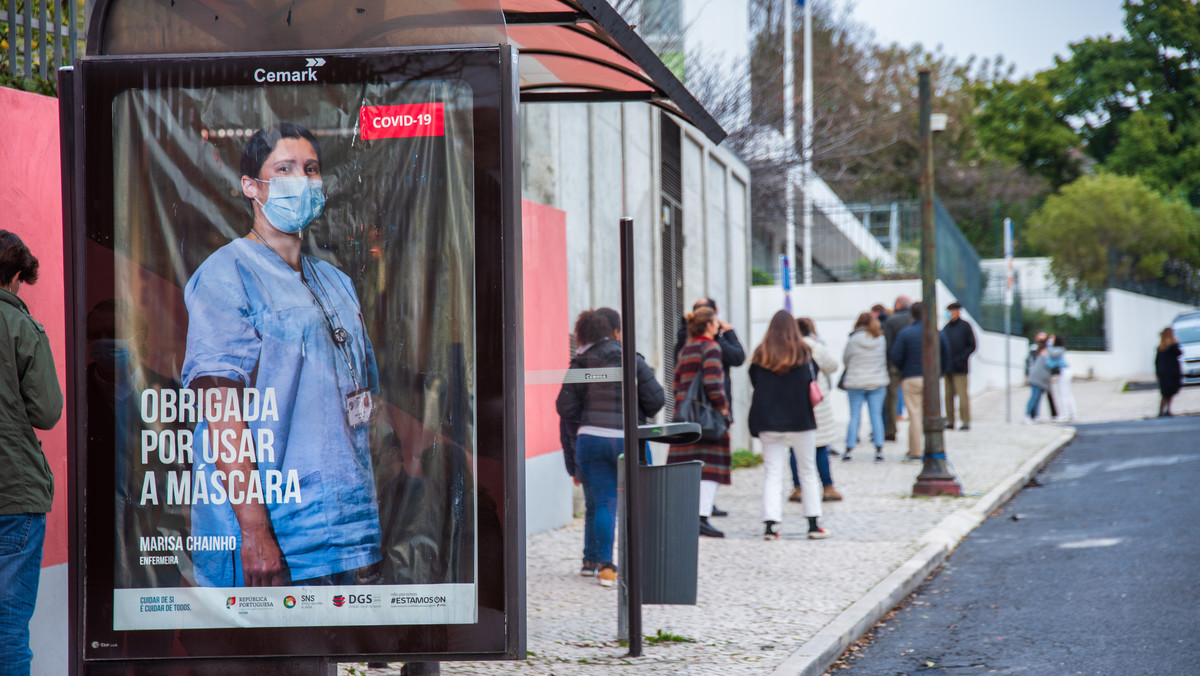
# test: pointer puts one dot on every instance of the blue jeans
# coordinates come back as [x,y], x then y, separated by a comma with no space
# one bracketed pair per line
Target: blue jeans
[596,458]
[874,399]
[21,540]
[822,467]
[1035,401]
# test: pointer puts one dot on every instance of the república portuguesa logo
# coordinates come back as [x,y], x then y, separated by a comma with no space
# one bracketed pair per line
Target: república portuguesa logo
[229,602]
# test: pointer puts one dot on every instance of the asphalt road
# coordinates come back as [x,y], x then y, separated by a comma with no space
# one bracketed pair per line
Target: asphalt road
[1096,571]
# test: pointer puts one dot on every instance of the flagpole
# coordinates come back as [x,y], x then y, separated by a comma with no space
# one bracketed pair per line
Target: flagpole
[789,137]
[807,139]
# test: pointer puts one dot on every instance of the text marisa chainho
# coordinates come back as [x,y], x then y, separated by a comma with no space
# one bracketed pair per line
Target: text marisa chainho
[193,543]
[224,445]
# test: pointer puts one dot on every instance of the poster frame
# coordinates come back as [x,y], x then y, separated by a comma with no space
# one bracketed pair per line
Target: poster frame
[88,90]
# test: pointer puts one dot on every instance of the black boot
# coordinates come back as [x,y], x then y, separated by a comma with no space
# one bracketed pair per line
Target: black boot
[708,530]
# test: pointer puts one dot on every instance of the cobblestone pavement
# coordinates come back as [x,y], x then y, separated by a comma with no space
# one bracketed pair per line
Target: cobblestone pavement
[759,601]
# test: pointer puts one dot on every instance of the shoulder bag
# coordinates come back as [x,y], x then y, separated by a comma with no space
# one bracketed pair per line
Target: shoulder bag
[814,390]
[696,408]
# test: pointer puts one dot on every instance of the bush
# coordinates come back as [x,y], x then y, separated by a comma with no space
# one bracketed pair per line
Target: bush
[36,85]
[743,458]
[760,277]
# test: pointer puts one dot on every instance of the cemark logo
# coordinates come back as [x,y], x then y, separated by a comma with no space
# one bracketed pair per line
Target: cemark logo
[306,74]
[289,602]
[229,602]
[339,601]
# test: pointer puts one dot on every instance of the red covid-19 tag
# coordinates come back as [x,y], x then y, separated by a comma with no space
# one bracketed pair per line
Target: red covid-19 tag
[406,121]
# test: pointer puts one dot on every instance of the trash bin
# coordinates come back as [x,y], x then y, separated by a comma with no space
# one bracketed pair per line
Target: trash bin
[670,532]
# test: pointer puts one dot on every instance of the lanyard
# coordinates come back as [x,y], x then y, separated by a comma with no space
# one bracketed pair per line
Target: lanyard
[338,334]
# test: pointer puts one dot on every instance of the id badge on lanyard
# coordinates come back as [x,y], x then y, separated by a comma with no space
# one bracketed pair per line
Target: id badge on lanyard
[359,407]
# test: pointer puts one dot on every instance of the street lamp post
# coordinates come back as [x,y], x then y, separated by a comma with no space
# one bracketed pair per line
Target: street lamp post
[935,477]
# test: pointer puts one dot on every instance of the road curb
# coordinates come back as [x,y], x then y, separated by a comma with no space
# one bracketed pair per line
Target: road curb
[823,649]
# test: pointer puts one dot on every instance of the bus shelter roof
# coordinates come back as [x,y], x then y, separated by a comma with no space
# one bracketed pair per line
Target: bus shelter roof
[570,50]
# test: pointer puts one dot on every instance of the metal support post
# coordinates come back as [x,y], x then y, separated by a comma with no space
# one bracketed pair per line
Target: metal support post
[631,573]
[935,477]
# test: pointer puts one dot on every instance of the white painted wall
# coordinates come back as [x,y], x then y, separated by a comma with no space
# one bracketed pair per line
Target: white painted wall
[599,163]
[1132,322]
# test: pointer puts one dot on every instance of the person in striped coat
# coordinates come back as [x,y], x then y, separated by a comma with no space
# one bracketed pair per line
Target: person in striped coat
[701,358]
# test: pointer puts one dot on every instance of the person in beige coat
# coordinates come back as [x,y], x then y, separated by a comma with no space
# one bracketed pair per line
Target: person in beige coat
[827,427]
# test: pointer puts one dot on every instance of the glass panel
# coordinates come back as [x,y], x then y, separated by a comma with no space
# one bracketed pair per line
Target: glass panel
[280,289]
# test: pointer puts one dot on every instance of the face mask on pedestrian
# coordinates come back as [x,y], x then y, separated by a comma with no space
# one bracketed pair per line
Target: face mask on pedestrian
[293,203]
[112,353]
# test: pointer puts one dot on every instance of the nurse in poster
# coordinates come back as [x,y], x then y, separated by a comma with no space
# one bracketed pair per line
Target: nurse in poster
[295,458]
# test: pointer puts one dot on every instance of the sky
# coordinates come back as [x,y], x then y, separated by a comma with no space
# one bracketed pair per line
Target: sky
[1028,33]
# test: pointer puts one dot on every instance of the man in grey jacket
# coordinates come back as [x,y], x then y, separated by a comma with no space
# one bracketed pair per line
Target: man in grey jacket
[29,397]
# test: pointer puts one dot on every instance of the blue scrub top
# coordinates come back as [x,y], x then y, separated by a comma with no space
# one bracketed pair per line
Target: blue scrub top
[251,319]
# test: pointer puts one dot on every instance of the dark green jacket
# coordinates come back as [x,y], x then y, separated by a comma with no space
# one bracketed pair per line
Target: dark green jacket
[29,398]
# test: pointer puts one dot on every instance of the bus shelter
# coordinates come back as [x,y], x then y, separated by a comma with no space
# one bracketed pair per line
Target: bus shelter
[294,244]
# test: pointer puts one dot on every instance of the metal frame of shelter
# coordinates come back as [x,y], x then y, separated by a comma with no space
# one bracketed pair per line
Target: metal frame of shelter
[569,51]
[573,51]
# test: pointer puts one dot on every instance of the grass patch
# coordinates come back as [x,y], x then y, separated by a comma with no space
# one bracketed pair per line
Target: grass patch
[663,637]
[743,458]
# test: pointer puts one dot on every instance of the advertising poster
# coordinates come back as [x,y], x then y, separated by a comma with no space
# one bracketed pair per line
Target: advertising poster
[281,350]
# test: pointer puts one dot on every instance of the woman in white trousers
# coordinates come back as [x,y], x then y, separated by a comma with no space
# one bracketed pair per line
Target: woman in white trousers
[781,416]
[1064,396]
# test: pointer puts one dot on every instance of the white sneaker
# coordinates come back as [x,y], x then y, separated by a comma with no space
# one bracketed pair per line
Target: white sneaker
[1027,421]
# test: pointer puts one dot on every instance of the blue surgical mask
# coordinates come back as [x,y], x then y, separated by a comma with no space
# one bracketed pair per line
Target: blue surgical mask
[114,353]
[294,202]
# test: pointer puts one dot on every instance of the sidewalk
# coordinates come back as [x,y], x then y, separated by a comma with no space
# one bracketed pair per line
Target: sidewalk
[791,606]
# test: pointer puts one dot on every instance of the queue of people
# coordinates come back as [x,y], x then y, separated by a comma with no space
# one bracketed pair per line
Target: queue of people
[791,372]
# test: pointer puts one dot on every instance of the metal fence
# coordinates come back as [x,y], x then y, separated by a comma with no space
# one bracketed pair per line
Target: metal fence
[895,228]
[991,308]
[1082,324]
[1187,292]
[36,38]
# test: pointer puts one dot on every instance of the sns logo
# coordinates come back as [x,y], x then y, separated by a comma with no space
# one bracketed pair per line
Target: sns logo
[339,601]
[229,602]
[289,602]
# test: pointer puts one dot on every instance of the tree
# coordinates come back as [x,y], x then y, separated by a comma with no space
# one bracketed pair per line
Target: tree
[1107,228]
[866,127]
[1129,102]
[1023,122]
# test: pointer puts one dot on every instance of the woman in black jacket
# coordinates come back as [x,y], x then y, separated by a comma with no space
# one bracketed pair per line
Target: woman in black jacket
[1167,370]
[592,407]
[781,416]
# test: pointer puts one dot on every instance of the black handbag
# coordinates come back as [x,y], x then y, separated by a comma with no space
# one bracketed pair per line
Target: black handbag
[696,408]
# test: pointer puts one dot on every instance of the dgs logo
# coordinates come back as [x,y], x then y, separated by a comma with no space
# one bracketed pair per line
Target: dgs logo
[361,599]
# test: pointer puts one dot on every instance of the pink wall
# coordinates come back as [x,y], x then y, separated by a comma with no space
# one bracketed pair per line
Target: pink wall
[31,204]
[547,346]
